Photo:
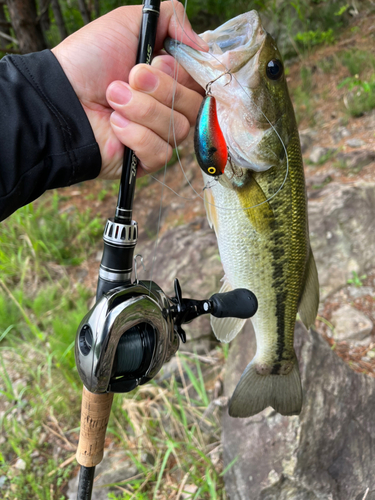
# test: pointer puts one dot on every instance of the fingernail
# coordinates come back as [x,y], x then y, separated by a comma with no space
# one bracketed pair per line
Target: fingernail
[146,80]
[119,93]
[202,45]
[119,120]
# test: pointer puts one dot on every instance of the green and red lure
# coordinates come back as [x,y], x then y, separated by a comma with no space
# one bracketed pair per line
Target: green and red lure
[209,143]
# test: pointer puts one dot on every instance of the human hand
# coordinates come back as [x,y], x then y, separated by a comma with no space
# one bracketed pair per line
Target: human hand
[98,61]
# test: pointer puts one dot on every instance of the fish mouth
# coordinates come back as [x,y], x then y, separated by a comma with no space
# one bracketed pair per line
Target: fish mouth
[231,46]
[232,58]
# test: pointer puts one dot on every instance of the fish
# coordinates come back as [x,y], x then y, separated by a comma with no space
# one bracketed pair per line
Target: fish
[258,206]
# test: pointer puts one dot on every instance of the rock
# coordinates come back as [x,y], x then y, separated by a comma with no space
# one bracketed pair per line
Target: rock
[355,143]
[114,467]
[320,155]
[342,232]
[356,159]
[350,324]
[188,491]
[340,133]
[306,138]
[3,480]
[326,453]
[318,181]
[359,292]
[20,464]
[190,253]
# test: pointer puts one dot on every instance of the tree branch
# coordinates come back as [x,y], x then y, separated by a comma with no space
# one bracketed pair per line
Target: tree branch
[10,38]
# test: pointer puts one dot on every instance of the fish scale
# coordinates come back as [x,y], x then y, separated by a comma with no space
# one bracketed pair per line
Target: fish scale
[258,207]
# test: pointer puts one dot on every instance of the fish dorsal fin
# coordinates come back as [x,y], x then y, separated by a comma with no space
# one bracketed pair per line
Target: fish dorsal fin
[309,302]
[225,329]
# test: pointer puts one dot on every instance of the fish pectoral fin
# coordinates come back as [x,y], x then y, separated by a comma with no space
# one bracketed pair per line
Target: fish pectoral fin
[225,329]
[255,392]
[225,182]
[309,302]
[209,205]
[256,205]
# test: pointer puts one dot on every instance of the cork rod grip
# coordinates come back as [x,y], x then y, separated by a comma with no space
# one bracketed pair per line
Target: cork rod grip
[95,412]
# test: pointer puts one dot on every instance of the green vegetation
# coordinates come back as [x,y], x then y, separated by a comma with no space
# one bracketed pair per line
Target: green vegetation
[357,61]
[356,280]
[308,39]
[40,309]
[361,83]
[41,306]
[302,96]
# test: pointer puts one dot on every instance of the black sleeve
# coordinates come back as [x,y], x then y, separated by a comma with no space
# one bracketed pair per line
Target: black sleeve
[46,140]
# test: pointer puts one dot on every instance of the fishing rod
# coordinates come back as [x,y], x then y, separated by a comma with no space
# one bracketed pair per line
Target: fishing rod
[134,327]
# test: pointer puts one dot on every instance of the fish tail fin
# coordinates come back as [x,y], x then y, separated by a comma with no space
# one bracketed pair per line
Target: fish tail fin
[254,392]
[225,329]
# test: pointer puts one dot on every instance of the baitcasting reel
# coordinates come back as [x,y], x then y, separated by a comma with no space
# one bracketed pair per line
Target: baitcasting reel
[134,329]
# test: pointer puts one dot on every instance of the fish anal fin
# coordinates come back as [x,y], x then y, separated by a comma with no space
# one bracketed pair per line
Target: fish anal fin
[309,302]
[255,392]
[225,329]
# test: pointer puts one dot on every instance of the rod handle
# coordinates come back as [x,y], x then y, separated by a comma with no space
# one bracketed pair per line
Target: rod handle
[95,412]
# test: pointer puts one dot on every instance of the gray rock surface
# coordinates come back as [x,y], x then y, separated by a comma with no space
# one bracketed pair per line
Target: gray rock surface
[340,133]
[326,453]
[190,253]
[342,232]
[355,143]
[306,137]
[350,324]
[114,467]
[359,292]
[320,154]
[356,159]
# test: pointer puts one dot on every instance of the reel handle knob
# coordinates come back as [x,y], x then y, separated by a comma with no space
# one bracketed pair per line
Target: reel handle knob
[239,303]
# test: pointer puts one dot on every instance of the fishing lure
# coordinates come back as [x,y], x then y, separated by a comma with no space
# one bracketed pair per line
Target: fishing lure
[209,143]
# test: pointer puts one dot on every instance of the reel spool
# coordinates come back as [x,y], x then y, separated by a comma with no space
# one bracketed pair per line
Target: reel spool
[129,334]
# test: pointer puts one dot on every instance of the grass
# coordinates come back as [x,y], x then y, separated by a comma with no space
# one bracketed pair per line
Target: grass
[171,422]
[173,425]
[302,97]
[357,61]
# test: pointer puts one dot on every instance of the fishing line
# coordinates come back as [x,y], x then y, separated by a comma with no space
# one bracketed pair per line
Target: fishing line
[227,70]
[171,124]
[173,191]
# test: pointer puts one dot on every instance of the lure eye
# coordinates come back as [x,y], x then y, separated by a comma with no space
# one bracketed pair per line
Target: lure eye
[274,69]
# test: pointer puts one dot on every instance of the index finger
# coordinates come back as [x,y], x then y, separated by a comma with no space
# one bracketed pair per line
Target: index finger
[167,64]
[173,22]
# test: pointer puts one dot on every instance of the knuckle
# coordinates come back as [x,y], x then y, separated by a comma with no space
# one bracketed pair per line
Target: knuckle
[142,140]
[182,128]
[149,112]
[164,154]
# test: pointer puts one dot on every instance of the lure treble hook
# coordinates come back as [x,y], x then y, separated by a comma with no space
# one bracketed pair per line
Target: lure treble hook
[209,84]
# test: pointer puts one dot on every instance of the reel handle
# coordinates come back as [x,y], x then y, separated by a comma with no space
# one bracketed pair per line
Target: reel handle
[95,411]
[240,303]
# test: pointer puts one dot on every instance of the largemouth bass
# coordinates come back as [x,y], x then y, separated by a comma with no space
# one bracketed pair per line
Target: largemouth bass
[258,207]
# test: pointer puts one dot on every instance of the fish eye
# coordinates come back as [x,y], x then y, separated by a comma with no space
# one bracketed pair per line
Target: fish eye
[274,69]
